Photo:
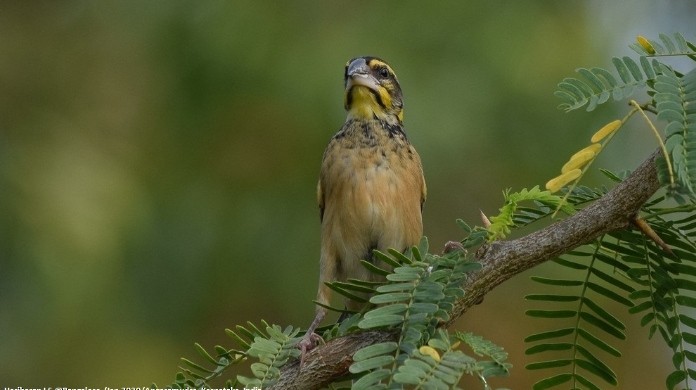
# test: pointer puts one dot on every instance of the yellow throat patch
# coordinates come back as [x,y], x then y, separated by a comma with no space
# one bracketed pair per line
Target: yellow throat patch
[364,104]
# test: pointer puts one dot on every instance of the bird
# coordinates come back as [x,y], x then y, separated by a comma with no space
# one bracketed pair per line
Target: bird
[371,187]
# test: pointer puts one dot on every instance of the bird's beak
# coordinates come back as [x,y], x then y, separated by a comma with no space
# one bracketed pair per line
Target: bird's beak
[360,74]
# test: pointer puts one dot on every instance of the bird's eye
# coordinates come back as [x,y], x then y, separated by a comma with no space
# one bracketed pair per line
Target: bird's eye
[383,72]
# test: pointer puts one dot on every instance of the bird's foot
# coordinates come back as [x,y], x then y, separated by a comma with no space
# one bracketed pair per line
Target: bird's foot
[308,343]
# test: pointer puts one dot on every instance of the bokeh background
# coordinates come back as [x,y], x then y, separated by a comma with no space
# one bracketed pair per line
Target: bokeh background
[158,162]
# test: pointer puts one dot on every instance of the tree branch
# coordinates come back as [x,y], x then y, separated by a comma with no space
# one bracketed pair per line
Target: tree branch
[500,261]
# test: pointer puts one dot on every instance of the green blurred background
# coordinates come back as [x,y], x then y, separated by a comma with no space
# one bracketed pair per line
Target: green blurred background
[158,161]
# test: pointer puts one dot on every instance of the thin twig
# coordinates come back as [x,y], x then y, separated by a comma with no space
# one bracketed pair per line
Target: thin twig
[661,143]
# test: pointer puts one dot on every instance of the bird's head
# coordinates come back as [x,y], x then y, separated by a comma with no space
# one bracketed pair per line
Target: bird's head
[372,90]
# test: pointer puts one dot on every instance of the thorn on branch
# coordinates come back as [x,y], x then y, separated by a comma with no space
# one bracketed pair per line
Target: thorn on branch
[648,231]
[485,220]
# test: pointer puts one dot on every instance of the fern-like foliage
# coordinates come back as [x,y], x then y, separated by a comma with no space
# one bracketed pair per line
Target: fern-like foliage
[666,285]
[497,366]
[271,347]
[502,223]
[596,86]
[437,365]
[514,215]
[418,296]
[675,100]
[625,269]
[587,330]
[676,45]
[621,271]
[272,352]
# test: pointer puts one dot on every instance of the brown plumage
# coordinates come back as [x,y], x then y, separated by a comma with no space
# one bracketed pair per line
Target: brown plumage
[371,187]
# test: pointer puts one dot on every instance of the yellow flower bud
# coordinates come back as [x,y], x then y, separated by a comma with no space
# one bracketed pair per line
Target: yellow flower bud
[578,161]
[606,130]
[594,148]
[430,351]
[645,44]
[558,182]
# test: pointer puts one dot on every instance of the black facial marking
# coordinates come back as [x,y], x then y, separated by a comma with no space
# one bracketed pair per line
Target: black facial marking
[378,98]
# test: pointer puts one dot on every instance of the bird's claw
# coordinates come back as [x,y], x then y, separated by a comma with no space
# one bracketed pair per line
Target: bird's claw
[308,343]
